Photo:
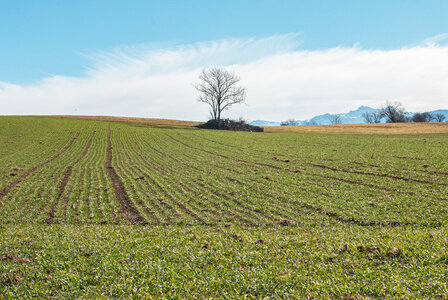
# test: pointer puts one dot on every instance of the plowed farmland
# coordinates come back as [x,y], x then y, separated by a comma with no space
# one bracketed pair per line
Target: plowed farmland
[91,208]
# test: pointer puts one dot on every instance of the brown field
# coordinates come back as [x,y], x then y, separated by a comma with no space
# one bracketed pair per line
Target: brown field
[388,128]
[142,121]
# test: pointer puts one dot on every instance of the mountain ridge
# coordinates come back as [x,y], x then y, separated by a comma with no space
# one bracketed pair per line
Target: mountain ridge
[350,117]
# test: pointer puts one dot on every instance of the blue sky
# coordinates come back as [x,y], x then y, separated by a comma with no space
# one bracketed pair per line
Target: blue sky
[43,37]
[49,41]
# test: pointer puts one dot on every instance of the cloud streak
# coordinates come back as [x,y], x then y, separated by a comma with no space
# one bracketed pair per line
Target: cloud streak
[282,81]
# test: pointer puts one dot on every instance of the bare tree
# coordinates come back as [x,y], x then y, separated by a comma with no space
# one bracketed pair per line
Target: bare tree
[394,113]
[422,117]
[335,119]
[310,122]
[439,117]
[218,88]
[377,116]
[289,122]
[368,118]
[373,117]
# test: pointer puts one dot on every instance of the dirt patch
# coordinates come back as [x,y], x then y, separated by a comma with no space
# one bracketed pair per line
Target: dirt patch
[409,158]
[364,249]
[283,160]
[6,190]
[128,210]
[234,180]
[225,196]
[429,172]
[357,182]
[10,139]
[353,221]
[189,212]
[64,181]
[183,185]
[285,222]
[140,202]
[180,205]
[13,258]
[297,171]
[165,204]
[231,158]
[372,174]
[242,208]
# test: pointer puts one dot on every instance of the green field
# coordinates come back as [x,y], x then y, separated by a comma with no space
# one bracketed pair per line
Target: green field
[108,209]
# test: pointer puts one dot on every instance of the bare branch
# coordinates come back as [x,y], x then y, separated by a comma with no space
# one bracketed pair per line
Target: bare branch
[439,117]
[394,112]
[335,119]
[217,88]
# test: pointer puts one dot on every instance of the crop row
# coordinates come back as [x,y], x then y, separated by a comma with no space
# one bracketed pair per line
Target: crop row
[78,171]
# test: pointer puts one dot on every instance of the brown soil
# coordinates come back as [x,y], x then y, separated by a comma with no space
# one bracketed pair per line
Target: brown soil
[180,205]
[409,158]
[10,139]
[296,171]
[353,221]
[323,166]
[246,211]
[371,174]
[128,210]
[11,257]
[232,158]
[6,190]
[357,182]
[77,198]
[154,183]
[178,161]
[141,203]
[64,181]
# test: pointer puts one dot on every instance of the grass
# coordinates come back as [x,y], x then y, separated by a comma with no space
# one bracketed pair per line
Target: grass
[93,209]
[92,261]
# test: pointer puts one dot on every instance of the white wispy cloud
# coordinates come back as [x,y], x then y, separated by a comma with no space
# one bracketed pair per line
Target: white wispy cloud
[282,81]
[435,40]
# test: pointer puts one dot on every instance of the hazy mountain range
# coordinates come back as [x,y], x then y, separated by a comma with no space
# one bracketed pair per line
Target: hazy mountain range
[351,117]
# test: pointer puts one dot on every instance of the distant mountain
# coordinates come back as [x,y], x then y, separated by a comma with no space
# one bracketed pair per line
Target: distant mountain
[441,111]
[351,117]
[264,123]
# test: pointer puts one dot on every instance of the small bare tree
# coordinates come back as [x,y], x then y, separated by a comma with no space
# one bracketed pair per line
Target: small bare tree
[310,122]
[218,88]
[289,122]
[373,117]
[422,117]
[368,118]
[377,116]
[335,119]
[439,117]
[394,113]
